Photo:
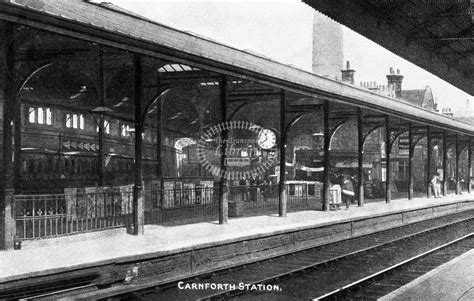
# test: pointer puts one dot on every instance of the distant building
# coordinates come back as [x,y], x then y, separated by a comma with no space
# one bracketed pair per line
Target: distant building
[374,145]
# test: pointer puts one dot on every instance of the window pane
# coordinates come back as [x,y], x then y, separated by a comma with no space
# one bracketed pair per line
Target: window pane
[74,121]
[106,127]
[31,115]
[40,116]
[48,116]
[124,131]
[81,122]
[68,120]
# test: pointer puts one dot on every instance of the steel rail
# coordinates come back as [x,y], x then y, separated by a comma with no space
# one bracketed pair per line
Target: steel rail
[391,268]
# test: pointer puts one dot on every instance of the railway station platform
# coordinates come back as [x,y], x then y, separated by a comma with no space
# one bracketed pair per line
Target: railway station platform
[453,280]
[170,253]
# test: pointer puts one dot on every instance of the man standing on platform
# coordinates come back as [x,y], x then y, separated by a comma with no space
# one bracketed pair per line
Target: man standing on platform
[347,192]
[436,185]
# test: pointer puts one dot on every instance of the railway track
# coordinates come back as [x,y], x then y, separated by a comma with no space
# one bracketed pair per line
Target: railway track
[381,283]
[328,269]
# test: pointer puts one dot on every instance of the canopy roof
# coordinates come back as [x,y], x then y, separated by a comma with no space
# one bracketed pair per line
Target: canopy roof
[435,35]
[109,26]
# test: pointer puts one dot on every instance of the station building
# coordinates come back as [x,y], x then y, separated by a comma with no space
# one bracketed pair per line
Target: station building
[112,120]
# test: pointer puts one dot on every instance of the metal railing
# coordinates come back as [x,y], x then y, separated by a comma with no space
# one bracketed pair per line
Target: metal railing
[80,210]
[178,205]
[53,215]
[199,204]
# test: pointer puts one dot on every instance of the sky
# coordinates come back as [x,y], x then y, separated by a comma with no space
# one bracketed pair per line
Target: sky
[283,31]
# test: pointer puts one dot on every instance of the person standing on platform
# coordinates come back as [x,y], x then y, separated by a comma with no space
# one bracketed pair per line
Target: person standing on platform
[347,192]
[243,189]
[436,185]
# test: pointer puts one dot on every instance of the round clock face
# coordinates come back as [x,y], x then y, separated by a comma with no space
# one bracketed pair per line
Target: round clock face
[266,139]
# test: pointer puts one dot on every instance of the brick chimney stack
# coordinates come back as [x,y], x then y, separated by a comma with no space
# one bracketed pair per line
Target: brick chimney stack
[348,74]
[395,80]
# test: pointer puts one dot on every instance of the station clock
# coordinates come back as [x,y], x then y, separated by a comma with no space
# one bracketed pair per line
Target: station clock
[266,138]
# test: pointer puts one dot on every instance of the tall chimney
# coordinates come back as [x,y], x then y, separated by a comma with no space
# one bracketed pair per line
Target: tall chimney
[348,74]
[327,46]
[395,80]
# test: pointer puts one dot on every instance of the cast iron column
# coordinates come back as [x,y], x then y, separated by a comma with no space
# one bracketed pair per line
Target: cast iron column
[456,171]
[159,143]
[410,160]
[7,76]
[138,208]
[469,166]
[327,158]
[428,159]
[360,137]
[100,126]
[445,165]
[281,184]
[223,183]
[388,191]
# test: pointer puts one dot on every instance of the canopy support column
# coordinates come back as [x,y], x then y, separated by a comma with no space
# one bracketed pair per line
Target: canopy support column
[469,166]
[411,149]
[428,164]
[138,203]
[159,144]
[445,165]
[456,164]
[360,158]
[100,124]
[223,183]
[388,148]
[281,184]
[327,140]
[7,84]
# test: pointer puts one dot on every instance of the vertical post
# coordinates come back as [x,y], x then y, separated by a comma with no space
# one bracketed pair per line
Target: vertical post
[388,148]
[327,157]
[281,184]
[411,149]
[445,165]
[360,150]
[159,141]
[100,126]
[456,166]
[16,141]
[428,164]
[7,76]
[138,208]
[223,183]
[469,166]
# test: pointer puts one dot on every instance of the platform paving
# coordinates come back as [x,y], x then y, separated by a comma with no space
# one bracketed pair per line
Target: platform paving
[453,280]
[56,255]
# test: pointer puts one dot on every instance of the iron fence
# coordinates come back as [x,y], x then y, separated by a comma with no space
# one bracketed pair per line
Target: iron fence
[188,205]
[178,205]
[52,215]
[91,209]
